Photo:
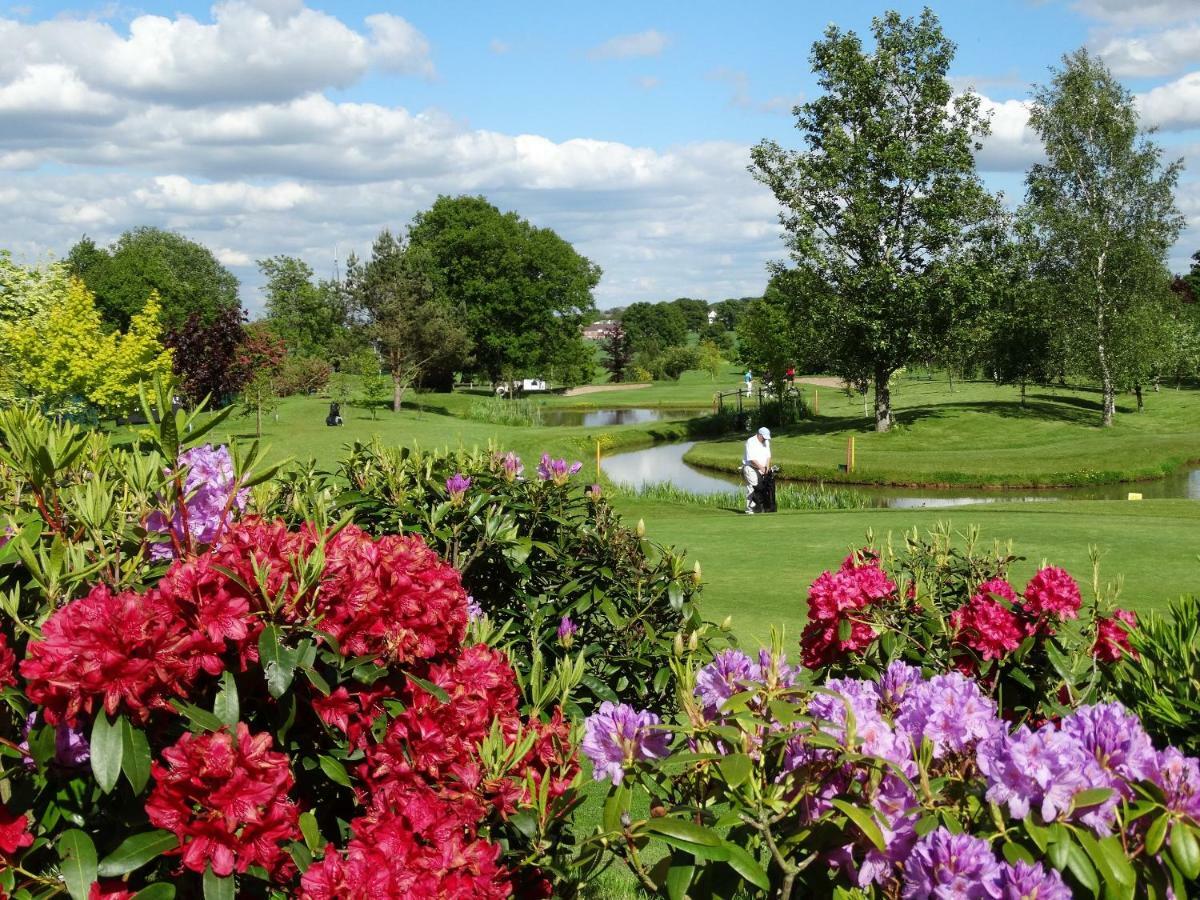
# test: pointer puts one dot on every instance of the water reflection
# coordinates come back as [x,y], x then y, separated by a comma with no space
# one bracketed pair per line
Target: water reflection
[605,418]
[665,463]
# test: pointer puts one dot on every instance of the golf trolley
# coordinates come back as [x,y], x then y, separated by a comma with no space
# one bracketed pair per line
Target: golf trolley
[762,498]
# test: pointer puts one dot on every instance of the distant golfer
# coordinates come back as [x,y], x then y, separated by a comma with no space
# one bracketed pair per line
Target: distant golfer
[756,462]
[748,378]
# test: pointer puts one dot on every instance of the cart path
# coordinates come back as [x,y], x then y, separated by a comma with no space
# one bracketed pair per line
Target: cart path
[600,388]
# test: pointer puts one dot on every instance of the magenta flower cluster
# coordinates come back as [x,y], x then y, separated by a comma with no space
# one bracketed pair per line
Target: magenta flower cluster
[556,470]
[457,486]
[210,499]
[945,865]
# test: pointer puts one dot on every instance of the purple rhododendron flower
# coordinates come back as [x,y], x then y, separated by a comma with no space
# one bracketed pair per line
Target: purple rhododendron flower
[617,735]
[474,610]
[566,631]
[1023,881]
[457,486]
[71,748]
[1116,740]
[774,671]
[556,470]
[950,710]
[209,492]
[1044,769]
[896,682]
[896,813]
[511,465]
[730,672]
[949,866]
[1179,778]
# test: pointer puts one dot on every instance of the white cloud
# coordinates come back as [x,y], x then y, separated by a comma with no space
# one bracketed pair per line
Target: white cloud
[1137,12]
[1012,145]
[741,97]
[623,46]
[1173,106]
[264,50]
[227,257]
[499,47]
[1148,55]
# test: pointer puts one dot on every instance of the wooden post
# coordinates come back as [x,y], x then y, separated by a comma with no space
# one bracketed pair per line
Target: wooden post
[597,460]
[816,402]
[850,454]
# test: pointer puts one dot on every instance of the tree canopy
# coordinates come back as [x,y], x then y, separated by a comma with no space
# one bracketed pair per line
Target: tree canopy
[654,327]
[523,292]
[186,276]
[311,317]
[883,202]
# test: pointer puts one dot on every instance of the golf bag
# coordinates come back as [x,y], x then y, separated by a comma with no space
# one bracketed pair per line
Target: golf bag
[335,415]
[763,496]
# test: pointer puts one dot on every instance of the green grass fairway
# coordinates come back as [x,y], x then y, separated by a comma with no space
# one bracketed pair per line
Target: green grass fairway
[758,569]
[980,435]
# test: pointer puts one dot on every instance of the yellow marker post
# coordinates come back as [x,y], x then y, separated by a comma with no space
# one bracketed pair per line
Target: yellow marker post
[1133,496]
[851,454]
[816,402]
[597,460]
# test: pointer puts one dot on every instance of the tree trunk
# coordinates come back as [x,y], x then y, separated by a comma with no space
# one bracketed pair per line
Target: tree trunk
[1107,388]
[258,420]
[1022,393]
[883,401]
[1137,391]
[397,393]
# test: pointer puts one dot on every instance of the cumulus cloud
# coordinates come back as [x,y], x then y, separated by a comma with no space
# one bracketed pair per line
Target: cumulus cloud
[1137,12]
[267,50]
[1174,106]
[624,46]
[1012,145]
[1148,55]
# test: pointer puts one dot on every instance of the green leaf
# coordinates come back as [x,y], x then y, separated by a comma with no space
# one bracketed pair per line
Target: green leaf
[310,830]
[278,661]
[135,756]
[675,595]
[106,749]
[1185,851]
[201,718]
[1081,867]
[218,887]
[335,770]
[736,768]
[135,851]
[683,830]
[1091,797]
[747,866]
[1013,852]
[864,821]
[679,878]
[428,687]
[225,705]
[159,891]
[1156,834]
[78,855]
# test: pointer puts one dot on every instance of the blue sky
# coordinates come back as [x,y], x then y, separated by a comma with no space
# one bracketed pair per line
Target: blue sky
[283,126]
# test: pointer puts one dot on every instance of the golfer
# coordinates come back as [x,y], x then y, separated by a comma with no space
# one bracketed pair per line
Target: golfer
[756,462]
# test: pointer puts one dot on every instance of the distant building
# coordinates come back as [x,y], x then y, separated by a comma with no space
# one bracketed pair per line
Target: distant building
[598,331]
[712,316]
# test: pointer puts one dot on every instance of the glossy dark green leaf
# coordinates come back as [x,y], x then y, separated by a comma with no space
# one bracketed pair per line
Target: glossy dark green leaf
[334,770]
[106,751]
[218,887]
[135,756]
[135,851]
[78,855]
[225,705]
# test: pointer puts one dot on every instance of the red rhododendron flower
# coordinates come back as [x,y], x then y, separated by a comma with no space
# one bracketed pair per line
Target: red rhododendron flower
[225,797]
[111,889]
[393,597]
[14,831]
[132,653]
[8,664]
[987,626]
[352,712]
[1052,592]
[821,643]
[214,604]
[391,855]
[1112,636]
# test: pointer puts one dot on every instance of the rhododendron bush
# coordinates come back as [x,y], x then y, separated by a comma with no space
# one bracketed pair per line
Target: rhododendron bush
[1037,649]
[772,781]
[294,710]
[534,546]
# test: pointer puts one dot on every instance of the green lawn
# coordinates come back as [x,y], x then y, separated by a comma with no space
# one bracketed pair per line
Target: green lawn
[979,434]
[758,569]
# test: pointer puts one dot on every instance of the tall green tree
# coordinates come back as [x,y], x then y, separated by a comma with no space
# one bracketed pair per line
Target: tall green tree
[187,277]
[524,292]
[421,337]
[884,199]
[310,316]
[1102,208]
[618,352]
[695,312]
[654,327]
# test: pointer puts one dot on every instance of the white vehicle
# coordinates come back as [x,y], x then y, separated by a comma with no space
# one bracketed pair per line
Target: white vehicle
[524,386]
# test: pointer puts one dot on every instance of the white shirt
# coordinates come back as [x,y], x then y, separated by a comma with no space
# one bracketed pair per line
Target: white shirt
[757,452]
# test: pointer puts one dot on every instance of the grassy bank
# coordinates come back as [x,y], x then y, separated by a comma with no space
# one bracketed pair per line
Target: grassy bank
[758,569]
[978,434]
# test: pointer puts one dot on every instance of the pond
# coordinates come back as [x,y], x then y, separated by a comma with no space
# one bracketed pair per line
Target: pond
[605,418]
[665,463]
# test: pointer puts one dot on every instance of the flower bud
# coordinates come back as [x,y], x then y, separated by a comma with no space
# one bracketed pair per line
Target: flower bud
[626,821]
[727,623]
[641,528]
[694,641]
[679,643]
[696,572]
